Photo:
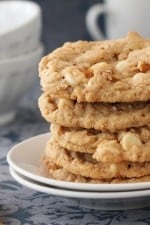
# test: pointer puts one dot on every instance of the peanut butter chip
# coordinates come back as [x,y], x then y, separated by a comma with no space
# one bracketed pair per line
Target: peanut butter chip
[144,67]
[88,73]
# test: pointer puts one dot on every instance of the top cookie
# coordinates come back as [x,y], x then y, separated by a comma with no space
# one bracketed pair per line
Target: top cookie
[101,71]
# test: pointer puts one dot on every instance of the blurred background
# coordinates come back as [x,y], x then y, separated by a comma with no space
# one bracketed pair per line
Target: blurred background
[61,21]
[22,48]
[64,21]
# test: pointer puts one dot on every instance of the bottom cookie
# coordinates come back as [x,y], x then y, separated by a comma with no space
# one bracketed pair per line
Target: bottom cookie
[84,165]
[59,173]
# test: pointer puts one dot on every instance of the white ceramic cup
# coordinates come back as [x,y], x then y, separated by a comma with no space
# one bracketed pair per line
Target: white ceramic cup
[121,16]
[20,27]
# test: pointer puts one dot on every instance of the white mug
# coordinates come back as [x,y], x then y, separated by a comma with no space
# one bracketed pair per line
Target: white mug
[121,16]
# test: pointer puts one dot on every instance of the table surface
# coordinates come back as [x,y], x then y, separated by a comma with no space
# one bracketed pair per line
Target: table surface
[20,205]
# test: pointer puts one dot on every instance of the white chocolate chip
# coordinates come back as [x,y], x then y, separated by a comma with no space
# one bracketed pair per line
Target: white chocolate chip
[122,66]
[108,150]
[140,79]
[129,140]
[70,79]
[74,76]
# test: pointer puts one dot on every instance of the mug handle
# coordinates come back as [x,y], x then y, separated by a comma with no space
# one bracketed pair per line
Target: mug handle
[91,21]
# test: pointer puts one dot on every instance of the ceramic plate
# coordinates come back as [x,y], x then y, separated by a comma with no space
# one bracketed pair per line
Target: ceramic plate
[25,158]
[94,200]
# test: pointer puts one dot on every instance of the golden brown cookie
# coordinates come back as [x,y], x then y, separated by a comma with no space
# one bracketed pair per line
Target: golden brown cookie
[60,173]
[126,145]
[79,139]
[100,116]
[83,164]
[101,71]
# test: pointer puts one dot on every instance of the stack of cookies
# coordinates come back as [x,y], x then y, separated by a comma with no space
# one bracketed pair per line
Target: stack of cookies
[97,99]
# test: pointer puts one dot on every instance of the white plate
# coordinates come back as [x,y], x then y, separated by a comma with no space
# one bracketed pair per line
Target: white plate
[25,158]
[98,200]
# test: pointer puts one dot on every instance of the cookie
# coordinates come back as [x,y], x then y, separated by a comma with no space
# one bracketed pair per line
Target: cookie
[79,139]
[100,116]
[84,165]
[58,173]
[101,71]
[126,145]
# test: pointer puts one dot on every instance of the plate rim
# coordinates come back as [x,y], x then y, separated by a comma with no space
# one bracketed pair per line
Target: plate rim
[67,184]
[73,193]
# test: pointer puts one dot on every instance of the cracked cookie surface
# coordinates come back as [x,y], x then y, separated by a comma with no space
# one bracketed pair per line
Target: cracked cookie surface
[59,173]
[126,145]
[100,71]
[100,116]
[84,165]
